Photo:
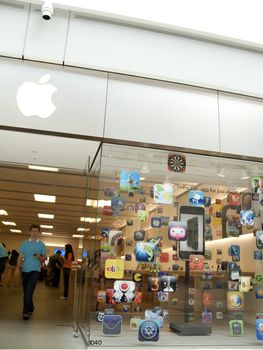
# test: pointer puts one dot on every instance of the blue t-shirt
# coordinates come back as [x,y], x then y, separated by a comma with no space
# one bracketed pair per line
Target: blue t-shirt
[3,253]
[28,248]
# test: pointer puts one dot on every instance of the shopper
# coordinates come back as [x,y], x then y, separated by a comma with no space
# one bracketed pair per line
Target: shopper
[32,253]
[11,266]
[53,269]
[3,259]
[69,257]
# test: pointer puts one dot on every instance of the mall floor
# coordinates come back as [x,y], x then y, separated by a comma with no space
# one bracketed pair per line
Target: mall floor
[50,327]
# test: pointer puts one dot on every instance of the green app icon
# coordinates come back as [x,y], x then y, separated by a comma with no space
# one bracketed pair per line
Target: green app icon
[236,327]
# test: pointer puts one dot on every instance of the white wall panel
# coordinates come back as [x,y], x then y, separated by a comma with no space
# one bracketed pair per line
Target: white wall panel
[241,125]
[13,23]
[117,48]
[79,99]
[46,40]
[161,113]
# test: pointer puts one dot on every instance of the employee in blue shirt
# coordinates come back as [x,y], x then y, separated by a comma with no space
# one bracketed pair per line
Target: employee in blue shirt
[32,253]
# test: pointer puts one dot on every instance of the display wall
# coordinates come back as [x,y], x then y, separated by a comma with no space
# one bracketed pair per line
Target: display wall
[143,274]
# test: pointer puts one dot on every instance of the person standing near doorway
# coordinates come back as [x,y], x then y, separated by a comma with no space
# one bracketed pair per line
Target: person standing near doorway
[32,253]
[3,259]
[69,257]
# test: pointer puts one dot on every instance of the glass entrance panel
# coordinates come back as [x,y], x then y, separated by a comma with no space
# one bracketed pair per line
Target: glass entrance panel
[177,250]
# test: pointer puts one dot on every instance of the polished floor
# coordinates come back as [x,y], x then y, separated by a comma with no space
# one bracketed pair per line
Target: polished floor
[50,326]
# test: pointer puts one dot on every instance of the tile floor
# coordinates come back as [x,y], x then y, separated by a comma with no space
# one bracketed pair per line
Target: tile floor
[50,326]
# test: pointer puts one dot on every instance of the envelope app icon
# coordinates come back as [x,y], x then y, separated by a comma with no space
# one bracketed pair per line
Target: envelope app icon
[111,324]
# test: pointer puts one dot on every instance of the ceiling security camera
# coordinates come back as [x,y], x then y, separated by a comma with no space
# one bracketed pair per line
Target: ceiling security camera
[47,9]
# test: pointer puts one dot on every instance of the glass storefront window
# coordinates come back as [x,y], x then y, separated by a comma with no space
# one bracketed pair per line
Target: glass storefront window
[176,250]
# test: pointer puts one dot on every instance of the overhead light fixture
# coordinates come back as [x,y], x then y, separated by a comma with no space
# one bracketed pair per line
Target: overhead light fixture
[45,198]
[15,231]
[142,178]
[221,172]
[82,229]
[47,226]
[9,223]
[47,233]
[90,220]
[100,203]
[3,212]
[78,236]
[244,175]
[145,169]
[46,216]
[42,168]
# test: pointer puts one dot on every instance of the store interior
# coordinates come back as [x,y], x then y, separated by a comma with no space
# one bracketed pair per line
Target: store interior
[130,198]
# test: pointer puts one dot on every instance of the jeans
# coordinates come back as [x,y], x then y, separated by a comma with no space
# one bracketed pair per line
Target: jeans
[29,280]
[66,273]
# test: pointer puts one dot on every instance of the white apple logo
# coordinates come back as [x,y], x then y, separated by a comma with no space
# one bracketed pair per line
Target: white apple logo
[35,99]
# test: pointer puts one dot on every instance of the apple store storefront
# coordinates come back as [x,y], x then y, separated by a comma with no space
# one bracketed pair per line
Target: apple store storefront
[171,251]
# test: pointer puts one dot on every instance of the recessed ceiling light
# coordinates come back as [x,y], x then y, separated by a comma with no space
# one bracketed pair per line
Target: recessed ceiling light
[44,198]
[10,223]
[43,168]
[142,178]
[78,236]
[3,212]
[16,231]
[45,216]
[47,233]
[47,226]
[91,220]
[82,229]
[94,203]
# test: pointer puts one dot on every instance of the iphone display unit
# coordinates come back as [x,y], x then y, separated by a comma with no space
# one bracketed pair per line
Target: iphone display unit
[193,217]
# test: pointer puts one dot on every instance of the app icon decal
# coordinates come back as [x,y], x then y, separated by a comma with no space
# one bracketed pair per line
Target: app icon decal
[168,283]
[177,230]
[259,239]
[156,222]
[259,293]
[111,324]
[129,180]
[234,250]
[154,284]
[247,217]
[163,193]
[134,323]
[259,326]
[234,198]
[176,163]
[236,327]
[207,316]
[139,235]
[124,291]
[196,198]
[245,284]
[144,251]
[196,262]
[114,268]
[235,301]
[257,254]
[148,331]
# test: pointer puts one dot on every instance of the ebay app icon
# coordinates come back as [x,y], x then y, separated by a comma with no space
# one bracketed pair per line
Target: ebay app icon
[177,230]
